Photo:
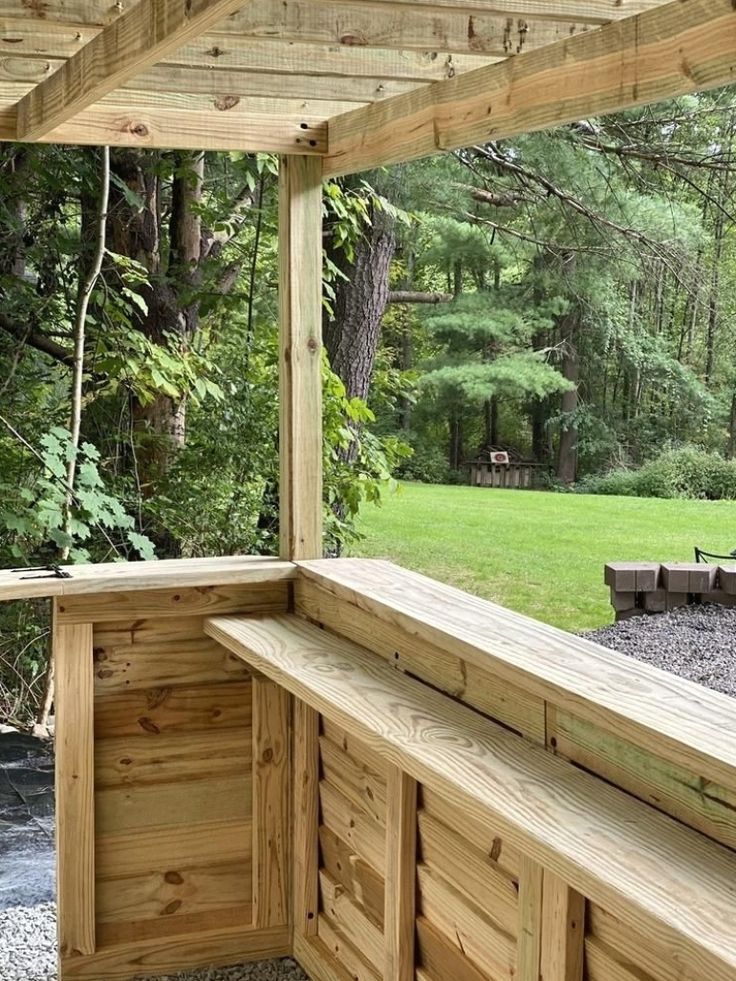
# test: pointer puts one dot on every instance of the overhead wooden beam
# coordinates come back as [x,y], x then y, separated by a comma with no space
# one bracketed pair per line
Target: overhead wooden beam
[680,47]
[138,39]
[183,129]
[300,357]
[406,27]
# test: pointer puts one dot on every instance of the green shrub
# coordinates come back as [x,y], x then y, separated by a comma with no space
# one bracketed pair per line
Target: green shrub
[684,472]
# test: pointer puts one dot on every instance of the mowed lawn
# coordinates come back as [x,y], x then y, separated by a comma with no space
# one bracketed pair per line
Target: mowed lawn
[538,553]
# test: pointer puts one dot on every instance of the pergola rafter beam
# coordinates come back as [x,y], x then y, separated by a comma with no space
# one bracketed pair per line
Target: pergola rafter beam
[677,48]
[134,42]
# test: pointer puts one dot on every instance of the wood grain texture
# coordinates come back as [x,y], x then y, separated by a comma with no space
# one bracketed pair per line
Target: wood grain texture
[402,28]
[499,854]
[630,948]
[191,661]
[480,688]
[183,601]
[357,876]
[352,960]
[106,577]
[305,869]
[470,869]
[659,54]
[271,803]
[75,799]
[210,948]
[139,38]
[200,843]
[703,804]
[196,129]
[439,958]
[180,890]
[690,725]
[183,709]
[641,865]
[563,931]
[355,780]
[169,805]
[529,942]
[354,826]
[401,866]
[300,357]
[464,925]
[347,916]
[172,757]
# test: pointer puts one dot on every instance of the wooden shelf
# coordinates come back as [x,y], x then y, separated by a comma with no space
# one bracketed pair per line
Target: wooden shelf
[645,868]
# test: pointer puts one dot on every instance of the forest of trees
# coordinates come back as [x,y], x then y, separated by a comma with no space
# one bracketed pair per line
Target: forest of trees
[567,294]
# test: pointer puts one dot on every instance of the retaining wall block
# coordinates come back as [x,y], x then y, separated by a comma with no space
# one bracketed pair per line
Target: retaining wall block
[727,578]
[622,601]
[655,601]
[675,577]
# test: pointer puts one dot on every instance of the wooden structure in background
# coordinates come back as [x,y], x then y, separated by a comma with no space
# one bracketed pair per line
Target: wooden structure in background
[380,775]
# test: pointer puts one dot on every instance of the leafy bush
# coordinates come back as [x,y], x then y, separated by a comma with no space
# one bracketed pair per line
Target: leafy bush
[684,472]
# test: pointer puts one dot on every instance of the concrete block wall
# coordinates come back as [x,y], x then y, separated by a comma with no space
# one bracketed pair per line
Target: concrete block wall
[638,588]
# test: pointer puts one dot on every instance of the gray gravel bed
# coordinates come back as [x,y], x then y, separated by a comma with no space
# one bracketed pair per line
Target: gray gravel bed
[28,953]
[696,642]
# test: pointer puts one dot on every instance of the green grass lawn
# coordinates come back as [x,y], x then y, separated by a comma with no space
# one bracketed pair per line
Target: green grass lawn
[538,553]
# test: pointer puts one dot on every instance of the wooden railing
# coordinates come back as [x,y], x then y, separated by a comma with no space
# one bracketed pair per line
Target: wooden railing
[382,775]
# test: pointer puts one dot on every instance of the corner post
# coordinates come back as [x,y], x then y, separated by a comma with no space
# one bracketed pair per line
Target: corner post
[300,357]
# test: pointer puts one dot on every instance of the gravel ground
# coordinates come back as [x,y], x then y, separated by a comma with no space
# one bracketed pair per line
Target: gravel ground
[28,953]
[695,642]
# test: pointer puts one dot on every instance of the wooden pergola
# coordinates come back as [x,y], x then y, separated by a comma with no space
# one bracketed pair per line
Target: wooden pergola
[338,759]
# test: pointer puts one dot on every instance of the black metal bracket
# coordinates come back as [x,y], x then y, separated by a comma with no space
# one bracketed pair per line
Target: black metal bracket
[51,571]
[701,556]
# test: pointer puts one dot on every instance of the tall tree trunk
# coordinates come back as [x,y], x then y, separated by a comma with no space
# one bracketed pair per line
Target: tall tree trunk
[353,333]
[172,307]
[490,415]
[456,450]
[567,452]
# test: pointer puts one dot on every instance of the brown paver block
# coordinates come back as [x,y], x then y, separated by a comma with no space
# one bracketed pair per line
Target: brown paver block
[655,601]
[676,577]
[622,601]
[621,576]
[647,577]
[727,578]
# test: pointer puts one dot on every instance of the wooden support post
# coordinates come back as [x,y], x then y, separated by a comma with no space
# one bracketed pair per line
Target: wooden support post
[401,847]
[306,819]
[300,358]
[75,819]
[529,947]
[563,930]
[271,823]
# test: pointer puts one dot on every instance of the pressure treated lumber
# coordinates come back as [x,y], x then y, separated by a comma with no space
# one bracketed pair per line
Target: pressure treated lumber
[75,804]
[306,819]
[401,863]
[300,357]
[142,36]
[686,723]
[563,931]
[645,868]
[677,48]
[214,947]
[403,28]
[271,802]
[106,577]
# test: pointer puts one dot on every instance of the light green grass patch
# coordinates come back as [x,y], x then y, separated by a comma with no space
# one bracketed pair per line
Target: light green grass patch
[538,553]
